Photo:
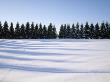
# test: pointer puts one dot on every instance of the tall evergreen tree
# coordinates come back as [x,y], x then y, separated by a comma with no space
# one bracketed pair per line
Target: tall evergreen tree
[81,32]
[17,31]
[1,31]
[77,31]
[11,30]
[5,30]
[87,31]
[32,31]
[44,32]
[68,32]
[27,30]
[36,32]
[40,31]
[50,28]
[102,31]
[61,32]
[73,30]
[92,31]
[22,32]
[107,30]
[54,33]
[97,31]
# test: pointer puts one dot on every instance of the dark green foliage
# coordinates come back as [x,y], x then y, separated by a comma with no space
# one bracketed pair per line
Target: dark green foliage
[11,31]
[32,31]
[39,31]
[97,31]
[22,32]
[68,32]
[87,31]
[73,32]
[81,32]
[51,32]
[17,31]
[1,30]
[5,30]
[92,31]
[27,30]
[36,32]
[77,31]
[62,32]
[54,33]
[44,32]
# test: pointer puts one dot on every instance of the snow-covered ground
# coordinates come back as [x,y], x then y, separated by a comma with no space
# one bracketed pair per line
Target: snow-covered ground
[55,60]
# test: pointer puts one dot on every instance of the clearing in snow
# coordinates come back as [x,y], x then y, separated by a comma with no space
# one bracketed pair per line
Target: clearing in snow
[54,60]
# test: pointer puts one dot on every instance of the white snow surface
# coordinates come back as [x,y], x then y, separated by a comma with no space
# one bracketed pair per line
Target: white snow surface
[54,60]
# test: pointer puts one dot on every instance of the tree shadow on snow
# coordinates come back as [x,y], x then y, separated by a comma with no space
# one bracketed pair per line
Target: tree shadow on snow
[30,53]
[34,69]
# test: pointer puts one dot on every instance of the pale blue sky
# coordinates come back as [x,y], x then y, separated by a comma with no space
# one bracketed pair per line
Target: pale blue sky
[55,11]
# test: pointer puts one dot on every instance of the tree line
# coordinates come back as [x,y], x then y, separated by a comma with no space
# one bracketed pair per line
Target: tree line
[39,31]
[86,31]
[27,31]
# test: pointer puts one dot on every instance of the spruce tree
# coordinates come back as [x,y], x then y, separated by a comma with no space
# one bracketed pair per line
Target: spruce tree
[54,33]
[73,30]
[22,32]
[68,32]
[97,31]
[102,31]
[50,28]
[27,30]
[40,31]
[92,31]
[5,30]
[77,31]
[87,31]
[32,31]
[109,31]
[61,32]
[81,32]
[106,30]
[36,32]
[11,30]
[1,31]
[17,31]
[44,32]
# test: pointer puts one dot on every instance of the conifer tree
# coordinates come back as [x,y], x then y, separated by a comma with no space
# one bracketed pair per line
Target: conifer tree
[97,31]
[86,31]
[92,31]
[54,36]
[5,30]
[61,32]
[22,32]
[27,30]
[77,31]
[32,31]
[40,31]
[36,32]
[44,32]
[50,28]
[11,30]
[1,31]
[81,32]
[68,32]
[73,30]
[17,31]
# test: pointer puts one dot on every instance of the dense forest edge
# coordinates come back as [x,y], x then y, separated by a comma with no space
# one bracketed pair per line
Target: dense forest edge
[67,31]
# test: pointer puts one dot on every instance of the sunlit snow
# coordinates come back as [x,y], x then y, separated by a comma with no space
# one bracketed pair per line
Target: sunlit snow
[54,60]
